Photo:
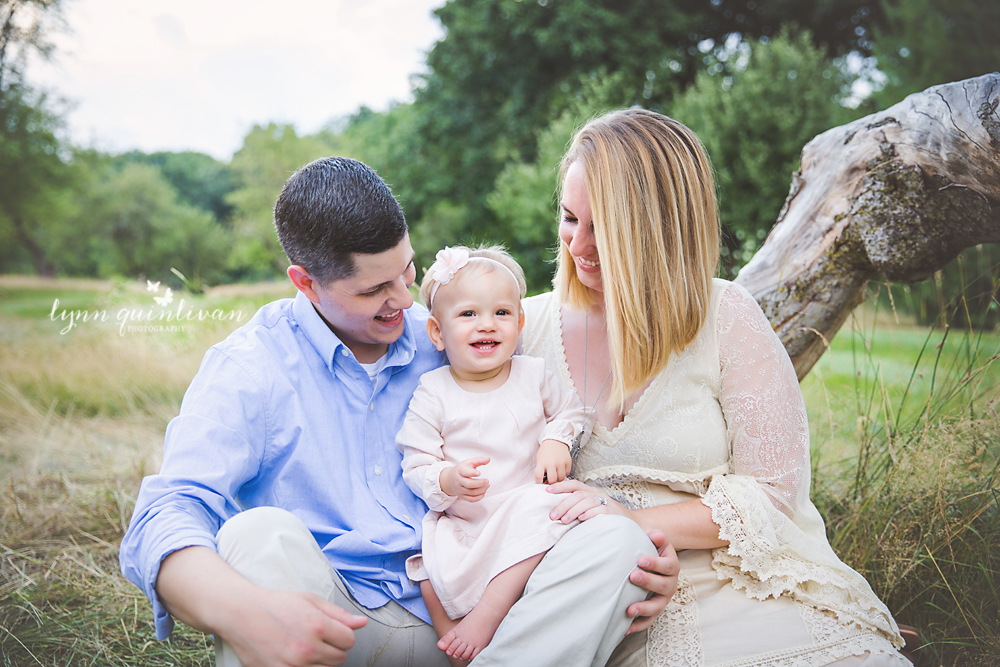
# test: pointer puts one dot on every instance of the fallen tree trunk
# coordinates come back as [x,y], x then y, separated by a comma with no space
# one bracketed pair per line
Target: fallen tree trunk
[899,193]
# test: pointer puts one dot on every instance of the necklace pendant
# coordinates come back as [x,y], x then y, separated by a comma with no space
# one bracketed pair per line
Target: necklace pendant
[574,450]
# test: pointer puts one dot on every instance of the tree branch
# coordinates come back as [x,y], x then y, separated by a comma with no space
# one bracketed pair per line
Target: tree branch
[899,193]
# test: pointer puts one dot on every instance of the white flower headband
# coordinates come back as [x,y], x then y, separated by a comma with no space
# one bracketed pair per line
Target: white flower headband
[449,261]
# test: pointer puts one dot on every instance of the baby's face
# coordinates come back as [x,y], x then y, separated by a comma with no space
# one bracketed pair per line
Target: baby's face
[479,317]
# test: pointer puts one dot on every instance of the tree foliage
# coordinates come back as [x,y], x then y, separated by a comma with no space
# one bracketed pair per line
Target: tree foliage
[754,113]
[32,171]
[200,180]
[24,29]
[507,68]
[269,155]
[929,42]
[137,226]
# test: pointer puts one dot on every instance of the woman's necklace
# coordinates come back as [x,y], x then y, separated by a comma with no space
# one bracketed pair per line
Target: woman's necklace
[574,451]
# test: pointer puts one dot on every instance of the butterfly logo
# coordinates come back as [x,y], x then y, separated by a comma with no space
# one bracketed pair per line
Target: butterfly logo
[152,287]
[167,297]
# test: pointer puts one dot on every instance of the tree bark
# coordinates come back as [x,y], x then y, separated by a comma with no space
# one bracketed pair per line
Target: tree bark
[899,193]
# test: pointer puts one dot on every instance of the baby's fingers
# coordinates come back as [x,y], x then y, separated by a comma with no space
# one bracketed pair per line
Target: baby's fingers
[540,473]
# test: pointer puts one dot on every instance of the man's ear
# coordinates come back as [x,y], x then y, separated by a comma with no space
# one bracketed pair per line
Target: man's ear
[434,332]
[304,281]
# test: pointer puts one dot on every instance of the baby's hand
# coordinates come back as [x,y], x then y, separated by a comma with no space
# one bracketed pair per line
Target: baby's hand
[464,480]
[552,463]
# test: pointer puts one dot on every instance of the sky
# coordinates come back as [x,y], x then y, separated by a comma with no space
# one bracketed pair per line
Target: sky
[198,74]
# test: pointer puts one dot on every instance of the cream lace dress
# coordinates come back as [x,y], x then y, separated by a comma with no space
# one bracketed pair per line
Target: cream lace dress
[725,422]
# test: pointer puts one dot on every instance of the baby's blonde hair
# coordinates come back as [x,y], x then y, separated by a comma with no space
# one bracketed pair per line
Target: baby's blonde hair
[496,253]
[656,226]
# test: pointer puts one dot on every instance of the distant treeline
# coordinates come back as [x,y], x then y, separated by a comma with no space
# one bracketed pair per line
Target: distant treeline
[474,156]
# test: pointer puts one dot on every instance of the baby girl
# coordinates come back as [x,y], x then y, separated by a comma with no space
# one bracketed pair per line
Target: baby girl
[481,436]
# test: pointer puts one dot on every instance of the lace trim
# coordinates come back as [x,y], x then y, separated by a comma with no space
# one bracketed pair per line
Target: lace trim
[633,494]
[760,561]
[606,473]
[674,639]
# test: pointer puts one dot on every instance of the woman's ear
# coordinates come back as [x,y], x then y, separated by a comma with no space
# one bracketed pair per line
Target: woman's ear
[434,333]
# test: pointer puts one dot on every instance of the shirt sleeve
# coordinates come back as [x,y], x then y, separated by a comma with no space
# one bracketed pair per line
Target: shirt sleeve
[421,442]
[212,448]
[564,413]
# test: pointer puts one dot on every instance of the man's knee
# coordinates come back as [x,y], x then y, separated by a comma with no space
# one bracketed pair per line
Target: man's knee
[249,525]
[615,540]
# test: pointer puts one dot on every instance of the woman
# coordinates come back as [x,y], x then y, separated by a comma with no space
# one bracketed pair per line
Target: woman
[699,428]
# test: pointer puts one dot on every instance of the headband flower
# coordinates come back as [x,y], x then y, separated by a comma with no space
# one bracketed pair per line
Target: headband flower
[446,264]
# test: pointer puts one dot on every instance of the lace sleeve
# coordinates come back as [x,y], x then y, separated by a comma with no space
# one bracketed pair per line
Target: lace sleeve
[766,422]
[777,540]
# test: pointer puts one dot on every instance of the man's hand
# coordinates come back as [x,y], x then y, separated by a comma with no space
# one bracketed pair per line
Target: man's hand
[552,463]
[659,576]
[465,480]
[265,627]
[291,629]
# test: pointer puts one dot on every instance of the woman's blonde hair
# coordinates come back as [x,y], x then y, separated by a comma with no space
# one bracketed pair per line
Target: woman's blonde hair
[497,253]
[656,226]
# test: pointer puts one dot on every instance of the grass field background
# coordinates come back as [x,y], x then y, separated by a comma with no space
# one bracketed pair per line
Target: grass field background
[904,425]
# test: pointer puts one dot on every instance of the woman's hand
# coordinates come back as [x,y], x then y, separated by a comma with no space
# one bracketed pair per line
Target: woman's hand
[583,502]
[659,577]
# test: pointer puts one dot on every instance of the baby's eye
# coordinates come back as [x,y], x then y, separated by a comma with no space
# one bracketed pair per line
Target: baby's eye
[466,313]
[502,312]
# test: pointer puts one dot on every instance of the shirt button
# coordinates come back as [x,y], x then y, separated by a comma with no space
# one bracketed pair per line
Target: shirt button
[378,470]
[406,516]
[371,406]
[345,353]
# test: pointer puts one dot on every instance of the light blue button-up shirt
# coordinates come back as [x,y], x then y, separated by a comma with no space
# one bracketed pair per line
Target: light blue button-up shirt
[281,414]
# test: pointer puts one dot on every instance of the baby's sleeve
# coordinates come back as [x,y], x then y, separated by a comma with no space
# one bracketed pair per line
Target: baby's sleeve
[563,410]
[421,443]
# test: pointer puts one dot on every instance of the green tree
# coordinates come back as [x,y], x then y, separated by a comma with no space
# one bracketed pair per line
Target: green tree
[928,42]
[269,155]
[32,174]
[32,169]
[138,227]
[754,113]
[200,180]
[507,68]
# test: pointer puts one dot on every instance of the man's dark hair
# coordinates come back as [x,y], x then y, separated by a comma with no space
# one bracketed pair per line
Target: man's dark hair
[331,209]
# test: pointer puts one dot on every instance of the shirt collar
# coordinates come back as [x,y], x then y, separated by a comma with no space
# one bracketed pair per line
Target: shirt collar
[329,345]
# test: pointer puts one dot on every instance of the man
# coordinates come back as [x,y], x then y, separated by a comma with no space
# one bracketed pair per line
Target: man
[279,520]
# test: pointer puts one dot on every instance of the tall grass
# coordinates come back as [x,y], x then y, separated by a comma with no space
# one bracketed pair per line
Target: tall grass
[916,509]
[905,434]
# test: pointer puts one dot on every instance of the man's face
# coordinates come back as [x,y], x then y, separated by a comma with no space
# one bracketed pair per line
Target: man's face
[366,309]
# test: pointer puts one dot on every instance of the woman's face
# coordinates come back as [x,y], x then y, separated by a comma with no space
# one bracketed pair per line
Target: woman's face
[576,228]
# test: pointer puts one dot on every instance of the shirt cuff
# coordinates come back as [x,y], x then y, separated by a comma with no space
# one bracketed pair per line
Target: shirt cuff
[435,497]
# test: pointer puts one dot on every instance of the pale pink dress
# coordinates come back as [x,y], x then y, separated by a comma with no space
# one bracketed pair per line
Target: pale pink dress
[466,544]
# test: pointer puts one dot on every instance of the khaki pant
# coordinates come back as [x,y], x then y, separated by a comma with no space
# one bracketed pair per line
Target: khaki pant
[572,612]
